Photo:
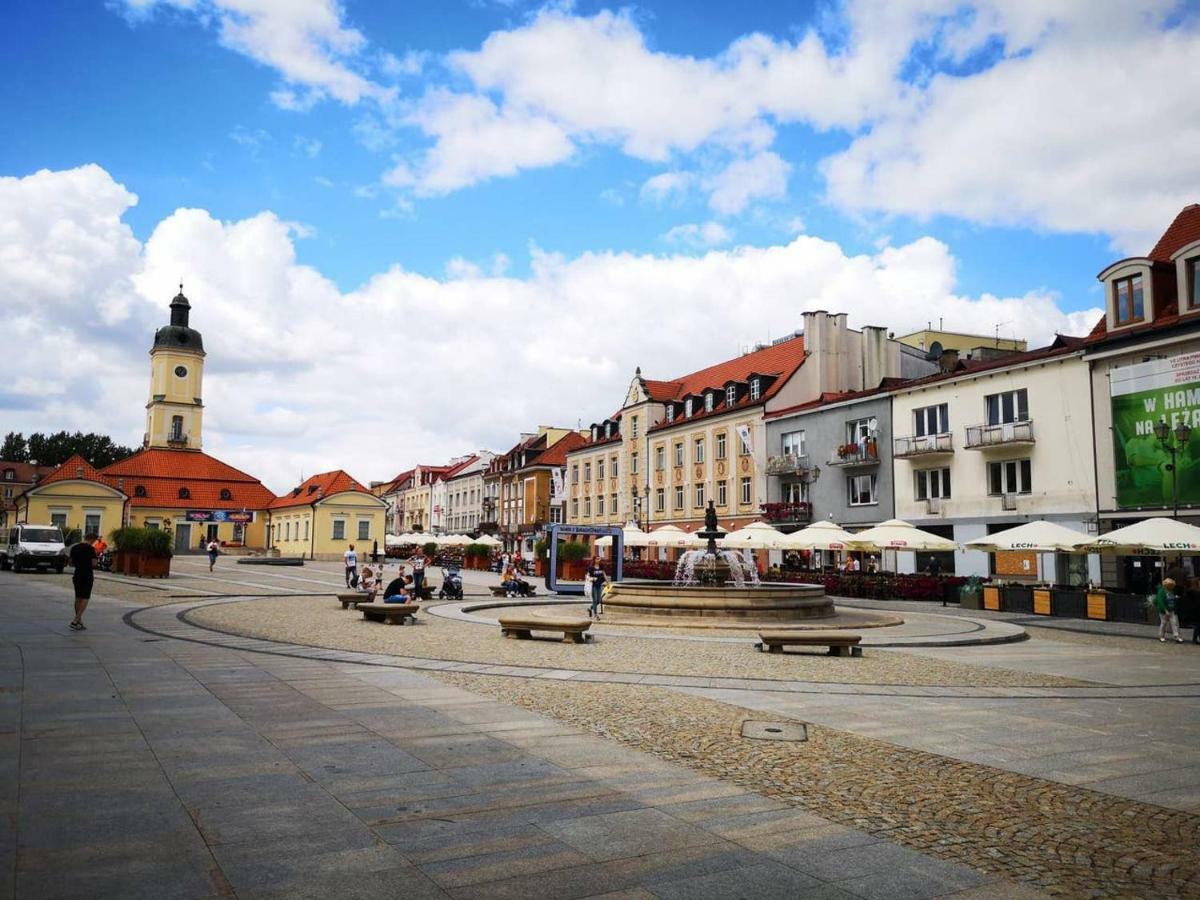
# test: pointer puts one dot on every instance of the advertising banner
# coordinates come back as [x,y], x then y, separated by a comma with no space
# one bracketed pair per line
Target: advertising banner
[1143,395]
[219,515]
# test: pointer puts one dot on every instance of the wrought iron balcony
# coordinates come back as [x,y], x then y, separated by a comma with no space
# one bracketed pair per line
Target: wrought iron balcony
[787,513]
[923,445]
[1010,434]
[787,464]
[861,454]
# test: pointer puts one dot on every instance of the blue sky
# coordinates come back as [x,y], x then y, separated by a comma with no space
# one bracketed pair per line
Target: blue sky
[527,201]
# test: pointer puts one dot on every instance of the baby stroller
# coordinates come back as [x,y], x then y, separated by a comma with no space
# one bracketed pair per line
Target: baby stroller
[452,586]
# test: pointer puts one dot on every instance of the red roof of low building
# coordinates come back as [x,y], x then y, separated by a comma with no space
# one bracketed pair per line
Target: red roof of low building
[780,360]
[458,467]
[155,477]
[556,455]
[317,488]
[25,473]
[75,468]
[1183,231]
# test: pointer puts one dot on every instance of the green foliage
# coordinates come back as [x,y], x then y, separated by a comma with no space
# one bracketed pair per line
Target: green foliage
[157,543]
[129,540]
[55,449]
[151,541]
[430,548]
[72,536]
[539,549]
[476,550]
[572,551]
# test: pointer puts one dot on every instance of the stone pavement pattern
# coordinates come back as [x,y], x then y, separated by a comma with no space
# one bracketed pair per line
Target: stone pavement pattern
[140,766]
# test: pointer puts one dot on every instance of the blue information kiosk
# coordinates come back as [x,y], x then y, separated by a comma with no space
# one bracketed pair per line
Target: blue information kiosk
[554,532]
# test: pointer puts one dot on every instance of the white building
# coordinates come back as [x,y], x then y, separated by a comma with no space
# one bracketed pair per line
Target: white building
[462,493]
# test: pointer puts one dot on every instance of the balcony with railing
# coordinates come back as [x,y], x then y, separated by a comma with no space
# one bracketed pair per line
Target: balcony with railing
[787,464]
[787,513]
[1009,434]
[857,455]
[923,445]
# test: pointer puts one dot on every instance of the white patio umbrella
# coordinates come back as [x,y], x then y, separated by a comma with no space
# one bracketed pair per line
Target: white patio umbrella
[819,536]
[1041,536]
[1160,536]
[896,534]
[755,536]
[673,536]
[453,540]
[632,535]
[488,541]
[412,537]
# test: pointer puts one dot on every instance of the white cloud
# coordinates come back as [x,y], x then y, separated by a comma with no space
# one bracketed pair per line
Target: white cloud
[409,65]
[666,187]
[763,175]
[310,147]
[708,234]
[293,373]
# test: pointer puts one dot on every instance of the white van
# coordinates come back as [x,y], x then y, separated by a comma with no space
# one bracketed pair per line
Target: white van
[33,547]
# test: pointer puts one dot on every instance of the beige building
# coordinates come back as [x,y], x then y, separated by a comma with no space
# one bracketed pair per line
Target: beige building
[936,341]
[73,496]
[15,479]
[325,515]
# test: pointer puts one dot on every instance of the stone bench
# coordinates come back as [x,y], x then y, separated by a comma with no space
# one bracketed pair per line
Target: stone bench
[392,613]
[356,598]
[840,643]
[519,626]
[498,591]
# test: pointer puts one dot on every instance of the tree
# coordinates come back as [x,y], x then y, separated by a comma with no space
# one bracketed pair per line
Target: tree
[15,448]
[55,449]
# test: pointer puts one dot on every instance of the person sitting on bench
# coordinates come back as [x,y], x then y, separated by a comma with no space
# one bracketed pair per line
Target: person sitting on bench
[510,582]
[399,590]
[368,585]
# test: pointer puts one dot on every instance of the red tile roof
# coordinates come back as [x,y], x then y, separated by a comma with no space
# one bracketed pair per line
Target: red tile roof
[1183,231]
[318,487]
[161,474]
[23,472]
[557,454]
[74,468]
[781,359]
[455,469]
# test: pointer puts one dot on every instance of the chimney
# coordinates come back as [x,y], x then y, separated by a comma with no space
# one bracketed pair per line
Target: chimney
[948,361]
[876,364]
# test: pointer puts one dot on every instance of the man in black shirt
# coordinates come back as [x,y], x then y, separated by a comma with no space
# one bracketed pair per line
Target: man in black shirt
[83,555]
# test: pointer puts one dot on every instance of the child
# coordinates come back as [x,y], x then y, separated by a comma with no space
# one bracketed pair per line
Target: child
[1166,601]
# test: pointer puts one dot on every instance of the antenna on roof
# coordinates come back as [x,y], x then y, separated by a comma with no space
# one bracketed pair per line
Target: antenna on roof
[998,324]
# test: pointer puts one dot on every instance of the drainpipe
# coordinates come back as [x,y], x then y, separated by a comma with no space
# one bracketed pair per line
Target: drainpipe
[312,532]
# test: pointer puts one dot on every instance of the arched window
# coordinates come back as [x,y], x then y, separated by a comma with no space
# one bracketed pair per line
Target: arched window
[226,494]
[139,491]
[176,428]
[185,494]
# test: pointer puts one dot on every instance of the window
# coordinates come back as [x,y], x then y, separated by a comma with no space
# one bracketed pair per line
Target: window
[698,450]
[660,458]
[755,388]
[1011,406]
[364,529]
[185,494]
[1129,299]
[339,529]
[587,506]
[139,490]
[722,493]
[633,464]
[9,474]
[930,420]
[931,484]
[660,500]
[679,453]
[744,440]
[600,505]
[687,408]
[587,471]
[858,430]
[862,490]
[699,498]
[306,529]
[633,427]
[556,515]
[600,470]
[1191,272]
[176,428]
[795,492]
[708,402]
[793,443]
[720,442]
[670,411]
[575,474]
[226,494]
[679,496]
[8,493]
[1010,476]
[91,524]
[612,469]
[59,519]
[745,496]
[612,503]
[287,530]
[575,508]
[731,395]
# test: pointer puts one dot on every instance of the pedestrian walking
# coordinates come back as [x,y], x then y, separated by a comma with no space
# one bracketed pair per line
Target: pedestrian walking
[350,558]
[1166,602]
[82,556]
[595,572]
[214,550]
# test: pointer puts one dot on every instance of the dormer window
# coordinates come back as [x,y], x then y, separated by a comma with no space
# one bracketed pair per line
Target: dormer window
[670,411]
[731,395]
[185,494]
[1191,282]
[595,432]
[755,388]
[687,408]
[708,402]
[608,429]
[1129,299]
[9,474]
[226,494]
[139,490]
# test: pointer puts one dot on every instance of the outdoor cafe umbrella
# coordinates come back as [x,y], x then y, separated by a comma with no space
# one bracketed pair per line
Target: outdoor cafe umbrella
[755,536]
[818,536]
[453,540]
[1160,536]
[673,536]
[488,541]
[632,536]
[896,534]
[1041,536]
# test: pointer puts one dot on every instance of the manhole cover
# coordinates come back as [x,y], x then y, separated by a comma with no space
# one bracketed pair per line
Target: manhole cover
[775,731]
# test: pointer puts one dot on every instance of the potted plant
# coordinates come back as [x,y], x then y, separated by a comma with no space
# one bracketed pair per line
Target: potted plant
[127,549]
[539,558]
[156,554]
[474,555]
[572,558]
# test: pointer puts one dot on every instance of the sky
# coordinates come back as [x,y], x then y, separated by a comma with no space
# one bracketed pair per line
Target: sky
[409,231]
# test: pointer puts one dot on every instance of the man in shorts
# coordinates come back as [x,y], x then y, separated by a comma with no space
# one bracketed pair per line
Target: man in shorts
[350,558]
[83,556]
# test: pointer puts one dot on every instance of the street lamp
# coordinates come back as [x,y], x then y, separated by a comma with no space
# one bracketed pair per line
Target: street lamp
[637,508]
[1182,433]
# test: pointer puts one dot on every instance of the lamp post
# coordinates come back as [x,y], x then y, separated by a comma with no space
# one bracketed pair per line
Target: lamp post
[1182,433]
[637,508]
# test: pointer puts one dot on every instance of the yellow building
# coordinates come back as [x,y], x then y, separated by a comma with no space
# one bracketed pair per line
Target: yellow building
[325,515]
[935,342]
[73,496]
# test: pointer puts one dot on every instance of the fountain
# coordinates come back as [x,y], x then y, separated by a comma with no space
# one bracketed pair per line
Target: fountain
[717,584]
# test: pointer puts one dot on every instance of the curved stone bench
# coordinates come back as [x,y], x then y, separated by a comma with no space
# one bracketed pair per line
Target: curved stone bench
[573,628]
[356,598]
[840,643]
[392,613]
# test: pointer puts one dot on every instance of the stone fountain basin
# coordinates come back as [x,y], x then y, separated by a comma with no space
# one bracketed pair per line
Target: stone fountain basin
[765,601]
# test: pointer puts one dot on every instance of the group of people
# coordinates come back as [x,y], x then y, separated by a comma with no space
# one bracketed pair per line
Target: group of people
[401,589]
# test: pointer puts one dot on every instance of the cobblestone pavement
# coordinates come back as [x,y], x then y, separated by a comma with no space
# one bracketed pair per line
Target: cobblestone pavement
[1066,841]
[322,622]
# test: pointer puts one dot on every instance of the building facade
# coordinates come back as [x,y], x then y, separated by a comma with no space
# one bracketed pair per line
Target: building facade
[324,516]
[15,479]
[464,493]
[74,496]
